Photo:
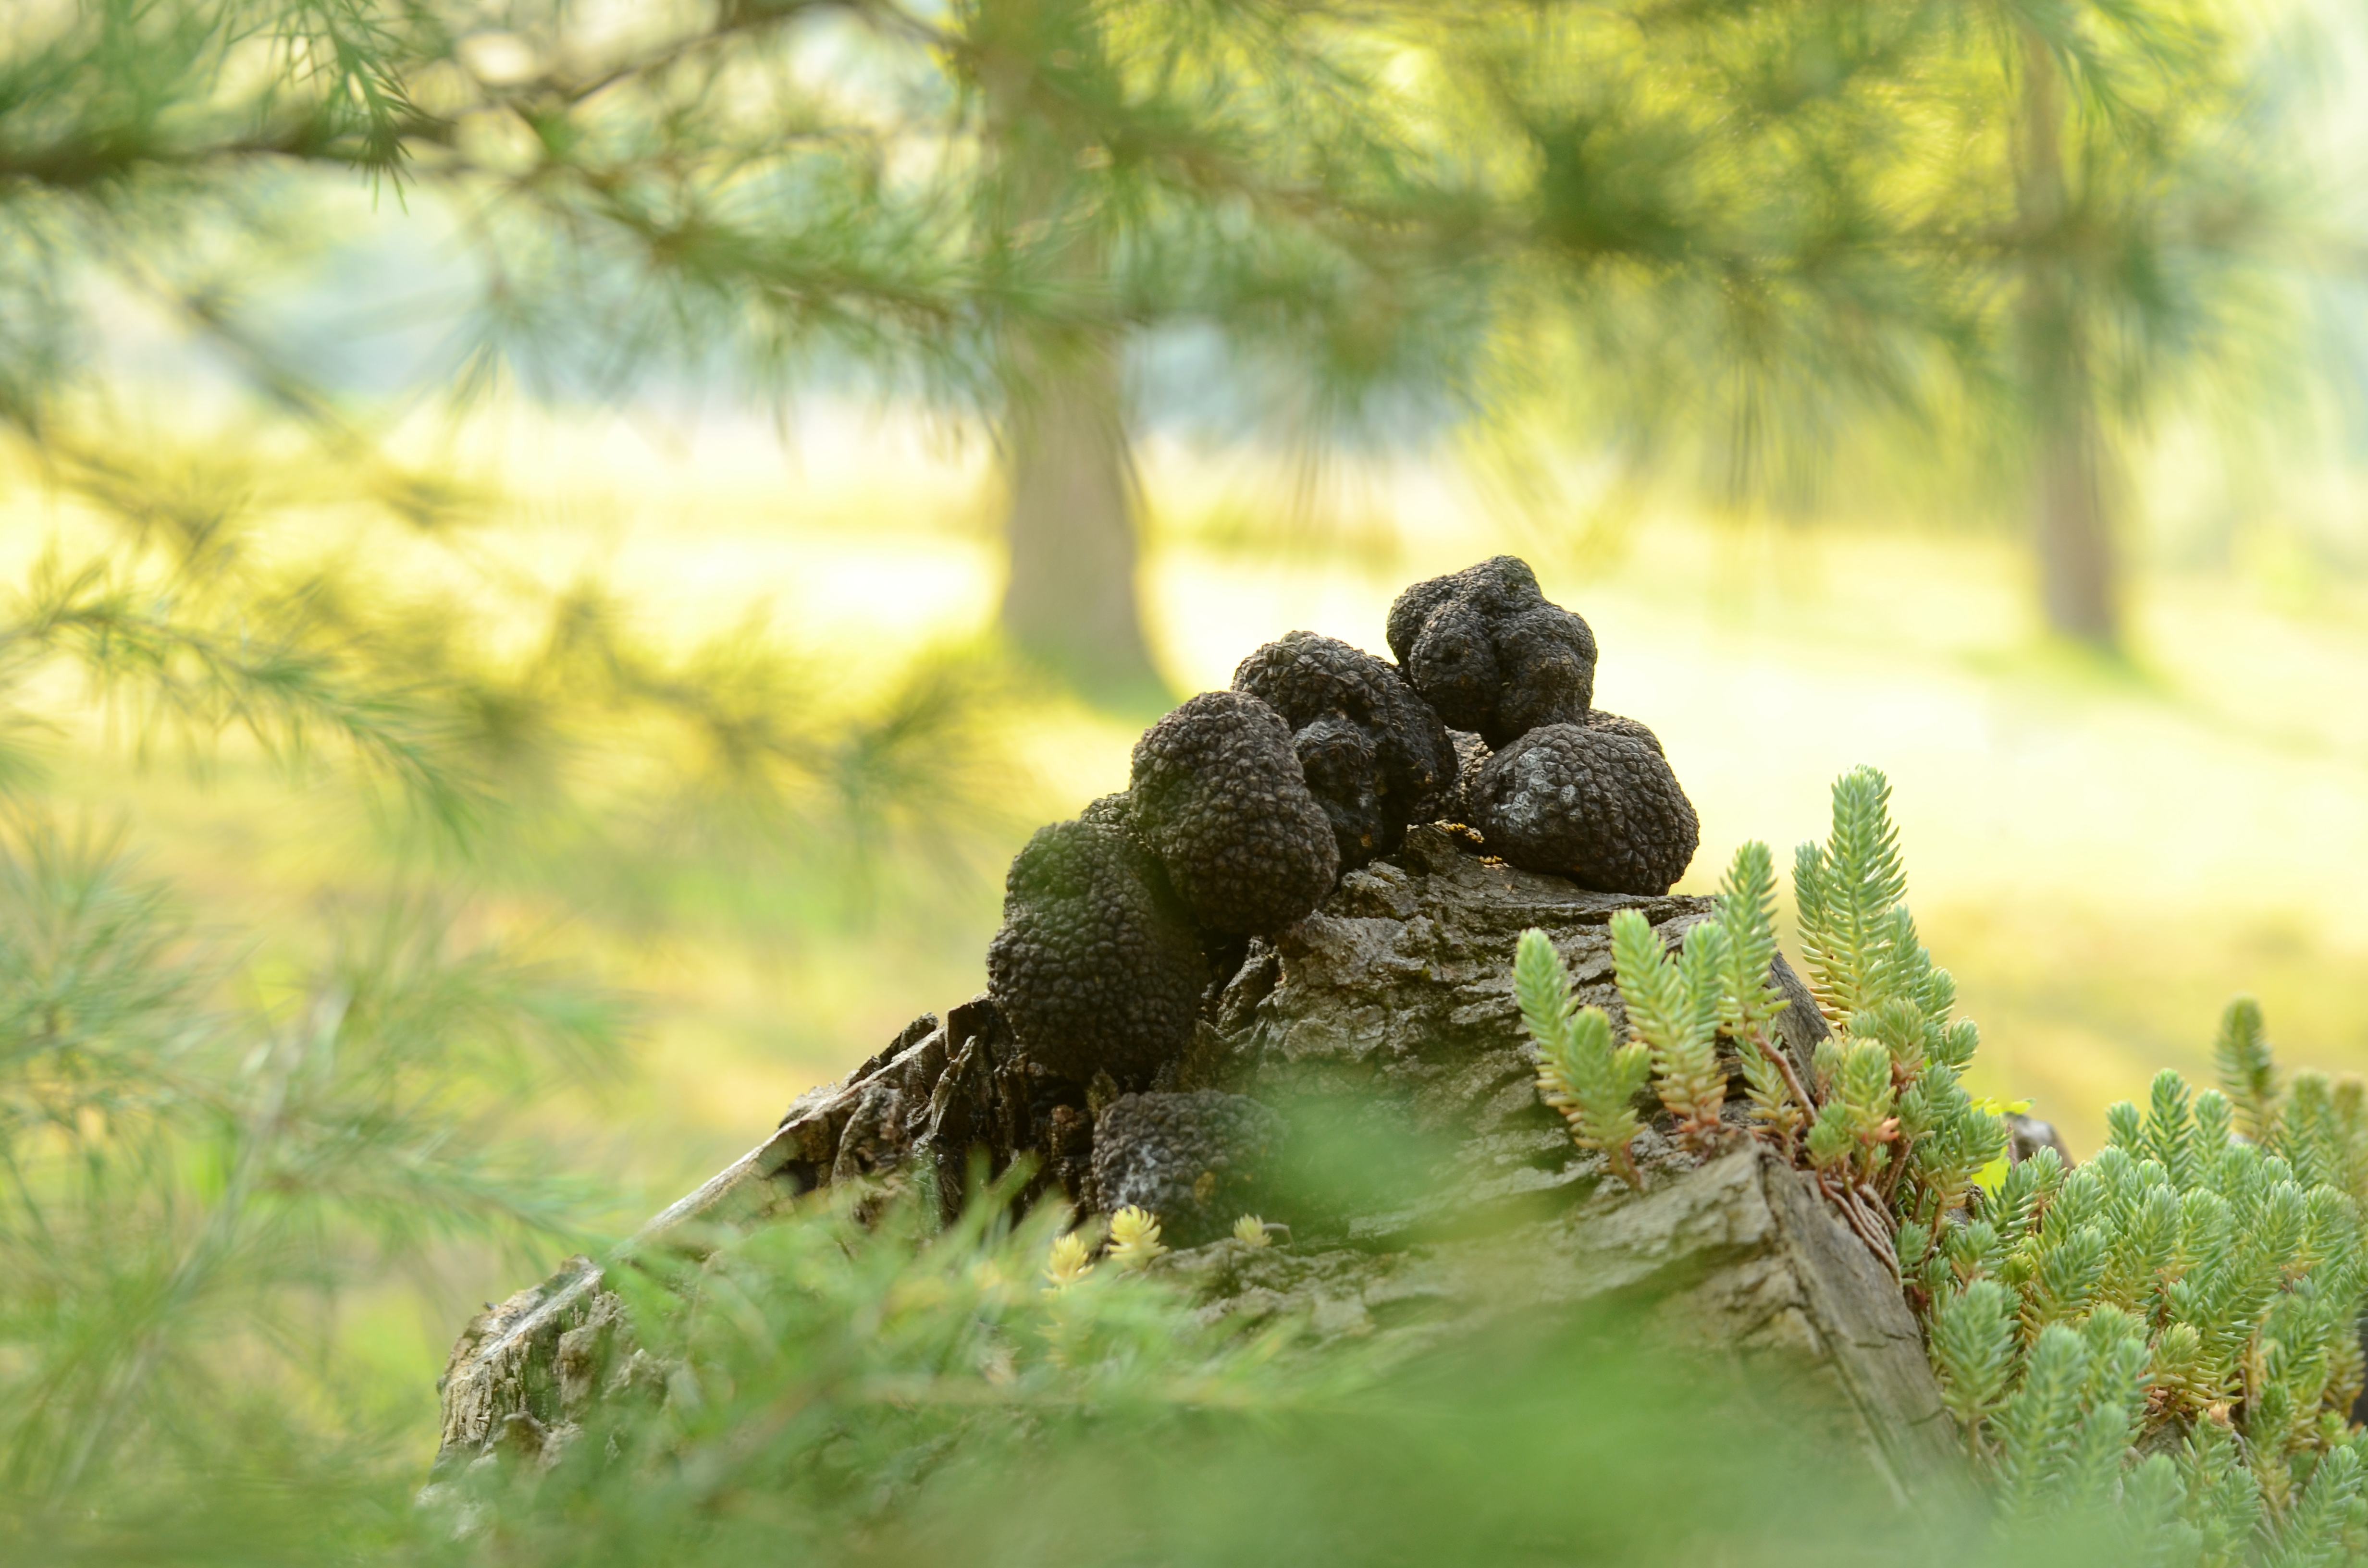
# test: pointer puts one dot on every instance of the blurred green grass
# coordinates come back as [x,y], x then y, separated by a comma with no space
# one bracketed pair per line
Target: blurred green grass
[2102,852]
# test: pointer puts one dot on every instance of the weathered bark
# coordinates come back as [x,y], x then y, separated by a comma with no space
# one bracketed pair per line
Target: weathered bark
[1390,1010]
[1070,602]
[2079,571]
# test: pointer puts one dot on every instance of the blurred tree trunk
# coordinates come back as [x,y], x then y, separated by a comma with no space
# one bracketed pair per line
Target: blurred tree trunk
[1071,600]
[2080,572]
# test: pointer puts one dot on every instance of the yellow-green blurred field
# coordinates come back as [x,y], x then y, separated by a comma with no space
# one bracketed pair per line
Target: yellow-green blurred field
[2102,854]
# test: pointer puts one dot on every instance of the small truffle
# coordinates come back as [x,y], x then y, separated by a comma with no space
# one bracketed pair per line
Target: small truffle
[1110,811]
[1613,725]
[1595,802]
[1491,654]
[1198,1160]
[1221,799]
[1375,757]
[1095,966]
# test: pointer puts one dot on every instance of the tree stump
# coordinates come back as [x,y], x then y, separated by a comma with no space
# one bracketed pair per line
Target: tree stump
[1387,1015]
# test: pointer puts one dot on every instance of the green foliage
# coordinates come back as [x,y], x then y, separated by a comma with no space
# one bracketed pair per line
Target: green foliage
[1748,999]
[1853,221]
[1673,1011]
[1846,890]
[2188,1292]
[1581,1074]
[1973,1345]
[2232,1294]
[829,1365]
[243,1178]
[880,1389]
[2064,1430]
[883,1393]
[191,1194]
[2248,1077]
[2233,1273]
[1892,1106]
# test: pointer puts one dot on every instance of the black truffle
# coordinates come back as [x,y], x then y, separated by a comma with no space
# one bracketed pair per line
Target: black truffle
[1224,950]
[1198,1160]
[1375,757]
[1595,802]
[1491,654]
[1096,966]
[1221,799]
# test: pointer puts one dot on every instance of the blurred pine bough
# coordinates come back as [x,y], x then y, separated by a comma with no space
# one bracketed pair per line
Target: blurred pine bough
[500,725]
[192,1189]
[226,1161]
[1733,242]
[221,1158]
[217,1164]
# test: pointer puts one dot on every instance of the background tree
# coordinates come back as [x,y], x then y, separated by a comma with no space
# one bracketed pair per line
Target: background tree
[993,207]
[1763,236]
[2157,215]
[1955,254]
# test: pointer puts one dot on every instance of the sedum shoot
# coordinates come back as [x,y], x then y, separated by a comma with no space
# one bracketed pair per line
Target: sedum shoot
[1580,1073]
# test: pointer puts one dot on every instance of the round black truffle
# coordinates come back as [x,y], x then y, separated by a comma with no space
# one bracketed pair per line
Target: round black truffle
[1375,757]
[1491,654]
[1198,1160]
[1096,966]
[1595,802]
[1221,799]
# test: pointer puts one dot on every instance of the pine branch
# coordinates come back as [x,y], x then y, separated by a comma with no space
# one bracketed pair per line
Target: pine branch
[278,684]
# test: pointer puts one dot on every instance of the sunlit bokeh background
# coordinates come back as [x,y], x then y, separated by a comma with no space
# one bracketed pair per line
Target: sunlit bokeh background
[2102,852]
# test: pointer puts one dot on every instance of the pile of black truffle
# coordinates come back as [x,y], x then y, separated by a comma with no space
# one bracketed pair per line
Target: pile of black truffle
[1245,806]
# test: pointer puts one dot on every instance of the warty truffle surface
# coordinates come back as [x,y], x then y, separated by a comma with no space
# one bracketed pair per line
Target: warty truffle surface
[1221,799]
[1491,654]
[1595,802]
[1095,966]
[1375,755]
[1198,1160]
